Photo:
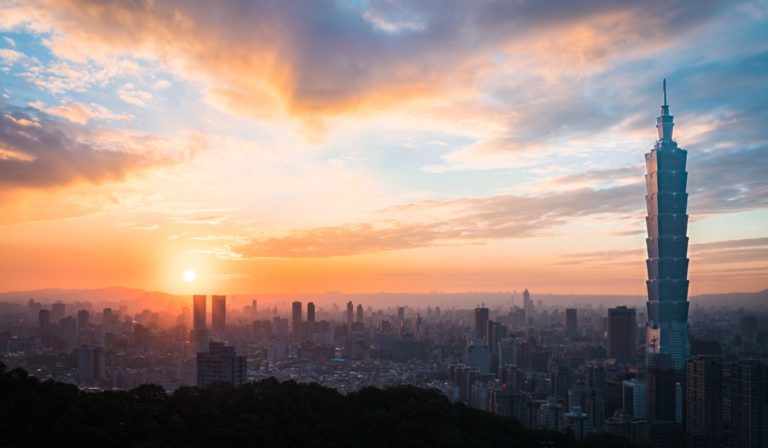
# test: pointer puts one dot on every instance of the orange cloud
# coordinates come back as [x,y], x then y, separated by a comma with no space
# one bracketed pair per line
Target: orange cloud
[42,153]
[312,59]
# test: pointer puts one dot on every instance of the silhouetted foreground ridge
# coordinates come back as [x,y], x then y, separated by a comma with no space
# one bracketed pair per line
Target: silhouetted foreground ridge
[267,413]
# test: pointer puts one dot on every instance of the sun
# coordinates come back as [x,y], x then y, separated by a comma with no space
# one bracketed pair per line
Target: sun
[189,276]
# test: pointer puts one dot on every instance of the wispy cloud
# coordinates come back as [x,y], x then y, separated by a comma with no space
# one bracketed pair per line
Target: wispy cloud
[80,113]
[41,152]
[473,221]
[131,95]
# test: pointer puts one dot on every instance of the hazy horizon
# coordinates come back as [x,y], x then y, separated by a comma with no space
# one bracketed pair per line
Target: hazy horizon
[457,300]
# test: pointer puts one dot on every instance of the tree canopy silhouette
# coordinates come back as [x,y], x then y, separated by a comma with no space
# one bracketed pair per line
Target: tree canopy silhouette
[265,414]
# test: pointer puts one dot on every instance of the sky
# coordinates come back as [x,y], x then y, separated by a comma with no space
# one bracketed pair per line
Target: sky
[366,146]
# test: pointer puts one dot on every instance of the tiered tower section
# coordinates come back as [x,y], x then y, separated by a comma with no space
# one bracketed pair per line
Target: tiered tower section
[667,244]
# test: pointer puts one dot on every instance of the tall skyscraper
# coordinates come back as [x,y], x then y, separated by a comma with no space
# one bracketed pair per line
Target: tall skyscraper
[494,334]
[621,333]
[481,323]
[219,315]
[58,311]
[571,322]
[704,401]
[527,304]
[311,312]
[350,315]
[83,320]
[68,327]
[359,313]
[198,312]
[296,321]
[43,320]
[310,320]
[220,364]
[107,316]
[199,336]
[667,245]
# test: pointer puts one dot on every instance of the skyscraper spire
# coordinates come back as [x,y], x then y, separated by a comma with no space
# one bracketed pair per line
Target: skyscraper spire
[665,122]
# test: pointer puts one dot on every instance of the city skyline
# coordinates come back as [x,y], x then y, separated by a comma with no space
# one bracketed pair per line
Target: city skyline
[384,223]
[365,147]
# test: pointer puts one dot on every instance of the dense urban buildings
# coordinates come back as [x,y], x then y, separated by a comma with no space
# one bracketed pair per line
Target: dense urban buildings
[532,370]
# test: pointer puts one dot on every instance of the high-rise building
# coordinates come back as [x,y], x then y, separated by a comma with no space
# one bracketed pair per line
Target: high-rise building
[83,320]
[311,312]
[661,388]
[495,332]
[310,320]
[571,322]
[254,309]
[359,313]
[199,335]
[58,311]
[199,312]
[527,304]
[90,365]
[506,351]
[597,384]
[704,401]
[350,312]
[68,327]
[218,315]
[550,415]
[220,364]
[664,401]
[749,404]
[106,316]
[479,357]
[43,320]
[578,422]
[667,245]
[401,314]
[634,397]
[296,325]
[33,308]
[621,333]
[481,323]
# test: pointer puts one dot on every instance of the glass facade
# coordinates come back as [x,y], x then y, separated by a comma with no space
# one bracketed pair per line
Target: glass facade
[667,245]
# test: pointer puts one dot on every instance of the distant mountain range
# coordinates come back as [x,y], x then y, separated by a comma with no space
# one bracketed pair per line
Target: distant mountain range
[135,298]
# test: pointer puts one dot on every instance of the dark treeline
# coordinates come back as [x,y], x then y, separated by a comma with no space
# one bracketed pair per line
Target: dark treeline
[263,414]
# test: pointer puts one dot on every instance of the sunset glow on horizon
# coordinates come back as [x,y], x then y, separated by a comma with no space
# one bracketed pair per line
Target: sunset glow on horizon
[366,146]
